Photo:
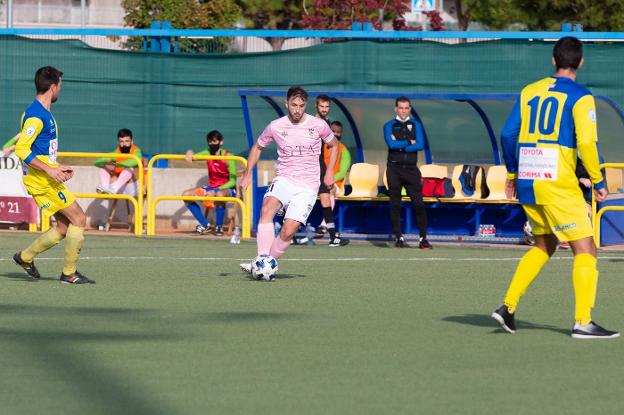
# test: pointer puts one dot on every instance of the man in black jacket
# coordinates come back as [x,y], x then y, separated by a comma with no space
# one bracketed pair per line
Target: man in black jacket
[405,137]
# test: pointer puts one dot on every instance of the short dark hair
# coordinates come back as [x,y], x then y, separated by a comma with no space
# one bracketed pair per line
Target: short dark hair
[323,98]
[402,98]
[124,132]
[568,52]
[296,91]
[46,77]
[338,123]
[214,134]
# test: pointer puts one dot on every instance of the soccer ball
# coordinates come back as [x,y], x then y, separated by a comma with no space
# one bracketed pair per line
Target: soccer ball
[264,268]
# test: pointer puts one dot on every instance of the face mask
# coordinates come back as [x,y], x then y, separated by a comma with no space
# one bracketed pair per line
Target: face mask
[214,148]
[125,149]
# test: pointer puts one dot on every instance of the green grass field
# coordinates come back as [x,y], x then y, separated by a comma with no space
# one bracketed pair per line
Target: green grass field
[173,327]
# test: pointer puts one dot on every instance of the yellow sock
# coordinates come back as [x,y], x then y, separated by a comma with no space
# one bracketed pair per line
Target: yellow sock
[44,242]
[585,280]
[530,265]
[73,243]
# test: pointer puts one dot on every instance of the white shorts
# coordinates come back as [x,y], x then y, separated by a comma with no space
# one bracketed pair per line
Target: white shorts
[298,200]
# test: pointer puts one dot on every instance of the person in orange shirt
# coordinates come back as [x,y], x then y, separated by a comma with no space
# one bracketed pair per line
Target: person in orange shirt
[327,196]
[119,175]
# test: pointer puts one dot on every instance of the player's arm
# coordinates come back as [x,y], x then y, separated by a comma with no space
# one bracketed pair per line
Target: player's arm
[130,162]
[509,144]
[23,149]
[232,176]
[584,113]
[334,147]
[393,143]
[252,160]
[345,163]
[254,154]
[420,139]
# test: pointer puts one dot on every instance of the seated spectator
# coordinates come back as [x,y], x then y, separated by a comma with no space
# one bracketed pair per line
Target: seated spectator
[9,146]
[120,175]
[221,182]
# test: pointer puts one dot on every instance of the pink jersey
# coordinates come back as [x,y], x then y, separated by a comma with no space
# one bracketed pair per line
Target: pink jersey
[298,147]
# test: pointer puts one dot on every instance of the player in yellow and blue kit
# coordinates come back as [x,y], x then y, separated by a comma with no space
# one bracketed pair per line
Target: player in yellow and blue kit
[43,178]
[552,123]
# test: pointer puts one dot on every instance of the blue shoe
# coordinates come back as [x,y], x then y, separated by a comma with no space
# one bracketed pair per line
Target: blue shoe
[75,278]
[29,267]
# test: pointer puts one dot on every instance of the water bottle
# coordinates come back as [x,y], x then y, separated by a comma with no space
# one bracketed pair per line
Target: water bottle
[310,234]
[236,236]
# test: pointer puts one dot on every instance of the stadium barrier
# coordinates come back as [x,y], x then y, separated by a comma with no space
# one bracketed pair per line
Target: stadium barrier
[136,202]
[598,213]
[153,201]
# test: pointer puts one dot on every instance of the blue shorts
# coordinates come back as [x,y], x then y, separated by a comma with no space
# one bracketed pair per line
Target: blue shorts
[216,189]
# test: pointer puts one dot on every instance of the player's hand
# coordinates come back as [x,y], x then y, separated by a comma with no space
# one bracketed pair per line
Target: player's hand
[189,156]
[58,175]
[585,182]
[328,180]
[6,152]
[245,181]
[510,189]
[600,194]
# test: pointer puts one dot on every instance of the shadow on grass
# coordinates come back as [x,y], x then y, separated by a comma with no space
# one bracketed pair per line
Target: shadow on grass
[483,320]
[246,316]
[21,276]
[116,312]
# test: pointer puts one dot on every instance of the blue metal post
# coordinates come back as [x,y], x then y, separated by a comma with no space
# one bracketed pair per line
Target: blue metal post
[165,42]
[155,40]
[250,140]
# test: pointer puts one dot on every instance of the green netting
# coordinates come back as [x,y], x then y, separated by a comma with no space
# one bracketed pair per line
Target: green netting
[170,101]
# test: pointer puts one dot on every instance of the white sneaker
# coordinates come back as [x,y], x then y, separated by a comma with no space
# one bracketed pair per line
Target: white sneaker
[103,189]
[245,267]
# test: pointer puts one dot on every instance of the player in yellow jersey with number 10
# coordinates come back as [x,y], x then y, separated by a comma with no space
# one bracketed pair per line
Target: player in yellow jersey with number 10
[44,177]
[552,123]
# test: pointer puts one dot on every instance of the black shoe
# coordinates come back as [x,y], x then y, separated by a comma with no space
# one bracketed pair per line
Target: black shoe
[218,231]
[593,331]
[400,242]
[320,232]
[424,244]
[505,319]
[29,267]
[75,278]
[338,241]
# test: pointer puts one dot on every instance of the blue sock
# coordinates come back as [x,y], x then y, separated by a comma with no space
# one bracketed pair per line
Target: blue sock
[219,214]
[197,212]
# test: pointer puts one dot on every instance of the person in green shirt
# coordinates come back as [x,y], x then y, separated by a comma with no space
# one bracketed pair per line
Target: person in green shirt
[221,182]
[115,174]
[9,146]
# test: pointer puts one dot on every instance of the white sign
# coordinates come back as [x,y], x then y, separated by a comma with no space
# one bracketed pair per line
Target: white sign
[11,177]
[419,6]
[538,163]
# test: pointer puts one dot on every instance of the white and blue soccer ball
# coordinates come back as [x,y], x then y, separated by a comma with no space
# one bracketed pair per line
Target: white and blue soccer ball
[264,268]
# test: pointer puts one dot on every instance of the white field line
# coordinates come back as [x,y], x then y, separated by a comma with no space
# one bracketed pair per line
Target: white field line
[153,258]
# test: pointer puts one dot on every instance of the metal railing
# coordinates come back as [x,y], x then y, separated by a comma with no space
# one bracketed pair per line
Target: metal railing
[136,202]
[153,201]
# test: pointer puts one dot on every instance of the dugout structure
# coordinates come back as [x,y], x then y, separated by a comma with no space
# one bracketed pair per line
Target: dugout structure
[460,128]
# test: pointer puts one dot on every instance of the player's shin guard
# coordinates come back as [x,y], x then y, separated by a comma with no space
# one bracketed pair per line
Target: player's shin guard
[328,217]
[73,243]
[279,247]
[585,280]
[265,237]
[530,265]
[44,242]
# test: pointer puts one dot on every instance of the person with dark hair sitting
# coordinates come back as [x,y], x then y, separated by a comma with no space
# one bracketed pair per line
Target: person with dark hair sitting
[221,182]
[119,175]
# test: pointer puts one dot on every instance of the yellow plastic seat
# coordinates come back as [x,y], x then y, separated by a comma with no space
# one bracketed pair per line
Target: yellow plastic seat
[433,170]
[495,179]
[363,179]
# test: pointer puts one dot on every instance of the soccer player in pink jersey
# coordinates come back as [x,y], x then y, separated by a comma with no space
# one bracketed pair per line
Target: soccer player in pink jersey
[299,137]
